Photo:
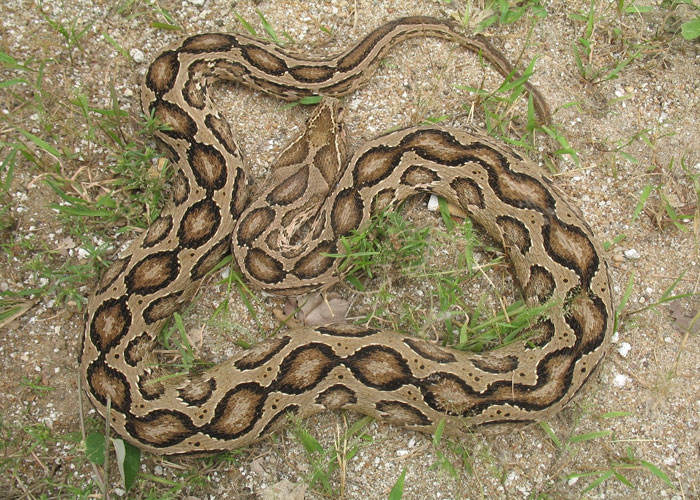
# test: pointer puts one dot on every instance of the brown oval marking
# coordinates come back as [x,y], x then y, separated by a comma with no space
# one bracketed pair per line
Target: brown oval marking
[312,74]
[261,353]
[137,349]
[429,350]
[520,190]
[239,194]
[264,60]
[362,49]
[570,246]
[347,212]
[152,273]
[336,396]
[540,334]
[438,146]
[180,188]
[401,413]
[238,411]
[208,42]
[380,367]
[417,175]
[314,264]
[221,130]
[199,224]
[515,234]
[163,307]
[198,391]
[193,94]
[151,386]
[110,322]
[208,166]
[493,363]
[158,231]
[161,428]
[468,193]
[162,73]
[375,165]
[210,259]
[253,224]
[264,268]
[293,154]
[540,285]
[111,274]
[383,200]
[291,189]
[303,368]
[328,160]
[449,394]
[180,124]
[588,318]
[349,330]
[106,382]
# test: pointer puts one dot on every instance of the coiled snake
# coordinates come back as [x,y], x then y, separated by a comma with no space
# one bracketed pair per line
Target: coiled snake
[281,242]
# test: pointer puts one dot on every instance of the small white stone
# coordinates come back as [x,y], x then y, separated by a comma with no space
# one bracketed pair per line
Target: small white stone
[402,453]
[198,3]
[620,380]
[433,203]
[624,349]
[572,481]
[137,55]
[632,254]
[158,470]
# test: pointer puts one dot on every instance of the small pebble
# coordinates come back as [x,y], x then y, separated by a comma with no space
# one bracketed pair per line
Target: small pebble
[632,254]
[137,55]
[433,203]
[624,349]
[620,380]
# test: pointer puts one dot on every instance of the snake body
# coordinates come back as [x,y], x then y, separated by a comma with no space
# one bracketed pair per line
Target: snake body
[280,241]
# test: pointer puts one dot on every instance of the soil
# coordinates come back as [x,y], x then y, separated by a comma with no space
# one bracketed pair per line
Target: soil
[639,129]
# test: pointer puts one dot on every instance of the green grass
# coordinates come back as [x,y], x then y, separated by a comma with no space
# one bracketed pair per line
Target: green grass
[327,463]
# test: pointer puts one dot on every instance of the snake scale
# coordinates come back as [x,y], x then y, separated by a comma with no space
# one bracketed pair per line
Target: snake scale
[281,239]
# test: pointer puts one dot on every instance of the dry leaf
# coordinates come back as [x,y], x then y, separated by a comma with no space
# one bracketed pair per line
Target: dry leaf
[196,338]
[257,468]
[284,490]
[318,309]
[681,320]
[64,245]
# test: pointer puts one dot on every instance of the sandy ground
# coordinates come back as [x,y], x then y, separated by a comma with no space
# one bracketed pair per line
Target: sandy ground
[649,114]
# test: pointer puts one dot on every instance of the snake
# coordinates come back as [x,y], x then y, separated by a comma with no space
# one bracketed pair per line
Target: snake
[283,237]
